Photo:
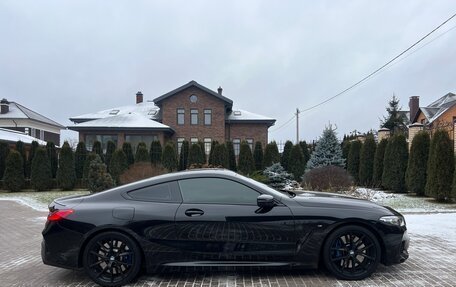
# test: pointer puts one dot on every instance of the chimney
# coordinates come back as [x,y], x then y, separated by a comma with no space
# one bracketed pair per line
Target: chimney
[4,106]
[139,97]
[414,105]
[219,90]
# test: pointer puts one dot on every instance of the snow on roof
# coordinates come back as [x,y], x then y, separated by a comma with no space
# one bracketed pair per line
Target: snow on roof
[438,107]
[147,109]
[18,111]
[14,136]
[243,115]
[124,120]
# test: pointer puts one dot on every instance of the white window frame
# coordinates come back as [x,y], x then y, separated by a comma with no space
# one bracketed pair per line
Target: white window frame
[237,146]
[207,145]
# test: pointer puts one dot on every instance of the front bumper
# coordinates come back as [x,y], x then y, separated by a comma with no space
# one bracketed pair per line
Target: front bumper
[396,251]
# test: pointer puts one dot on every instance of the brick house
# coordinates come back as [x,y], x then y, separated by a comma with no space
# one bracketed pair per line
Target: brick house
[16,117]
[191,112]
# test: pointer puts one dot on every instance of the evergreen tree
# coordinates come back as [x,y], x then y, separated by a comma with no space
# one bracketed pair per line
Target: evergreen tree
[79,159]
[366,161]
[203,150]
[258,156]
[40,174]
[128,151]
[246,164]
[98,179]
[98,149]
[91,156]
[395,164]
[13,179]
[327,151]
[118,164]
[20,148]
[346,150]
[296,162]
[440,167]
[378,163]
[220,156]
[353,160]
[211,152]
[28,166]
[196,156]
[231,156]
[394,121]
[155,152]
[416,175]
[4,151]
[52,157]
[142,155]
[285,158]
[271,154]
[183,156]
[305,151]
[110,149]
[169,157]
[66,173]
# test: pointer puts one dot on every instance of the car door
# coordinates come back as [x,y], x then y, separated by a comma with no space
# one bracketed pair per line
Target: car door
[219,220]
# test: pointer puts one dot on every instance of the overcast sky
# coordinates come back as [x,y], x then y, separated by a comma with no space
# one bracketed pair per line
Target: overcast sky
[65,58]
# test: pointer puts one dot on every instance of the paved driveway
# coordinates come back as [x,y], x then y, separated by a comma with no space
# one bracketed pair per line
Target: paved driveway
[432,262]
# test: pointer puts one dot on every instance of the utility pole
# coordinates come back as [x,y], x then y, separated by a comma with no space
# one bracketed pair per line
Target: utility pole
[297,126]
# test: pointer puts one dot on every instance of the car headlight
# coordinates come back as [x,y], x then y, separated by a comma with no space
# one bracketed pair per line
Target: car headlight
[394,220]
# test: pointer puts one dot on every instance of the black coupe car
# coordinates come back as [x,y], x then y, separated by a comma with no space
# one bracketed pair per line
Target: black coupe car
[218,218]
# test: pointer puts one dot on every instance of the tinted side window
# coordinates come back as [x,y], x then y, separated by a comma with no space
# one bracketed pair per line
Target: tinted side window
[216,190]
[159,192]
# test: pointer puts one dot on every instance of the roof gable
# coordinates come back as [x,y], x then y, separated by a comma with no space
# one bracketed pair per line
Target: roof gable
[437,108]
[160,99]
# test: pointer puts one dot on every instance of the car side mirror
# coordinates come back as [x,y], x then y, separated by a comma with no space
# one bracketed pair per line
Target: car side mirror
[265,201]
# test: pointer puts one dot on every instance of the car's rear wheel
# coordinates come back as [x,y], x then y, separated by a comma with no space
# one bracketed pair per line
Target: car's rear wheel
[112,259]
[351,253]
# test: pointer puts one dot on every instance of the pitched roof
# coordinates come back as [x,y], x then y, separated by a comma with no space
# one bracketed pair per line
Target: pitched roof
[227,101]
[244,116]
[14,136]
[18,111]
[438,107]
[122,121]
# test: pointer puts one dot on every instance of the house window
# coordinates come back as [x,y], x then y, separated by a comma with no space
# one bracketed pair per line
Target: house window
[207,145]
[179,144]
[180,116]
[250,143]
[90,139]
[33,132]
[236,146]
[194,140]
[207,117]
[134,140]
[193,116]
[41,135]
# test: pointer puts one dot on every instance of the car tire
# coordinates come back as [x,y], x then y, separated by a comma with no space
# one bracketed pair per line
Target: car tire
[112,259]
[351,253]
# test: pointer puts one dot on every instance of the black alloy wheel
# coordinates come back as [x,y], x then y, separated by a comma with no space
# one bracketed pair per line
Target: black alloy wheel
[112,259]
[352,253]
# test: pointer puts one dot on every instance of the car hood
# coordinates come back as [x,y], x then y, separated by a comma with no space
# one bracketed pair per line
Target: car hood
[332,200]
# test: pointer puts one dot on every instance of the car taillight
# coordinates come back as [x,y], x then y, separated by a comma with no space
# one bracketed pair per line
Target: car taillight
[59,214]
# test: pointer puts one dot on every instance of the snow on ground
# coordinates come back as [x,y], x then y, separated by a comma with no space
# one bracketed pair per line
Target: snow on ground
[442,225]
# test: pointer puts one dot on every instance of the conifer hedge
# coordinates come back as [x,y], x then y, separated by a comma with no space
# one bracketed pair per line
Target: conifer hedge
[296,162]
[271,154]
[40,173]
[353,160]
[285,158]
[79,159]
[66,173]
[231,156]
[395,163]
[52,157]
[416,174]
[128,151]
[246,164]
[155,152]
[13,179]
[118,165]
[142,154]
[4,151]
[258,156]
[183,156]
[196,157]
[366,162]
[169,157]
[378,163]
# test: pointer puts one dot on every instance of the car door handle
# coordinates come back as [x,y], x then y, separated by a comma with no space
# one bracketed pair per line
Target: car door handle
[194,212]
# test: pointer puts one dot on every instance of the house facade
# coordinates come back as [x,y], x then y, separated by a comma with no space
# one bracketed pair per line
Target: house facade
[190,112]
[16,117]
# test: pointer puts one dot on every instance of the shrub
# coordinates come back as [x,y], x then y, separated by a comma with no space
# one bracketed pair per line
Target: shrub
[395,164]
[258,156]
[110,149]
[327,178]
[271,154]
[440,167]
[13,179]
[79,159]
[231,156]
[196,155]
[296,163]
[53,159]
[4,151]
[416,174]
[155,153]
[211,153]
[20,148]
[220,156]
[285,158]
[305,151]
[277,176]
[346,150]
[31,155]
[118,165]
[327,151]
[378,163]
[259,176]
[98,179]
[169,157]
[91,156]
[183,156]
[140,171]
[353,160]
[366,161]
[128,151]
[98,149]
[142,155]
[66,174]
[40,174]
[246,164]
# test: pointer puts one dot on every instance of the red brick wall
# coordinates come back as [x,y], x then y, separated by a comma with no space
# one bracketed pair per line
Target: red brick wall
[169,107]
[257,132]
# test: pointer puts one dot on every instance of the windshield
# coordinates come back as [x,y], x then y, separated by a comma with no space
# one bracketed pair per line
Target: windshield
[264,186]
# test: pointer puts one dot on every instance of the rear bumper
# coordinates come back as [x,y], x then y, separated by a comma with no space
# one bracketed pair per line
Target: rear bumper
[396,251]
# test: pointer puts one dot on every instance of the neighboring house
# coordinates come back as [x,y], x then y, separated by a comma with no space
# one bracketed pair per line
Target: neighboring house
[191,112]
[16,117]
[440,113]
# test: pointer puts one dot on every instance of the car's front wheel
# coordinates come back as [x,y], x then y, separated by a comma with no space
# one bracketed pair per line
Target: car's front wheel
[112,259]
[351,253]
